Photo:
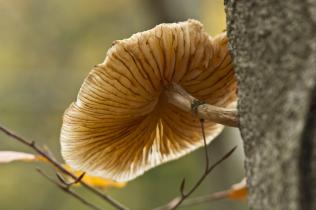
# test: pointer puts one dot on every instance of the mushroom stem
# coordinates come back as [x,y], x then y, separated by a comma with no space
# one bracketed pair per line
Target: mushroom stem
[186,102]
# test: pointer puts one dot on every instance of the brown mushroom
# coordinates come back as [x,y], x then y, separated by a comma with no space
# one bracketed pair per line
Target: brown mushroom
[122,124]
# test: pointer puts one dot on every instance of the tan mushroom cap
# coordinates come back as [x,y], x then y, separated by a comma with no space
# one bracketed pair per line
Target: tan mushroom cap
[121,124]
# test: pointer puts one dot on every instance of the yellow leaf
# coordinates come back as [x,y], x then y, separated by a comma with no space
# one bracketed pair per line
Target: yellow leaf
[40,158]
[95,181]
[239,191]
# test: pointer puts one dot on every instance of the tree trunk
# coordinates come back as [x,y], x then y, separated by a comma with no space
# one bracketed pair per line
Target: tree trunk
[273,44]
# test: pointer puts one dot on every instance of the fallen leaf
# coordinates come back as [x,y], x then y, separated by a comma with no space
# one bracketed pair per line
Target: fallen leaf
[9,156]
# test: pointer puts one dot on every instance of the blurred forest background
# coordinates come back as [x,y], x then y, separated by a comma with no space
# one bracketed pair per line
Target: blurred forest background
[46,50]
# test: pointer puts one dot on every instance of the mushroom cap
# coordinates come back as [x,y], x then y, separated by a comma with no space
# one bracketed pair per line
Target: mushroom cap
[121,124]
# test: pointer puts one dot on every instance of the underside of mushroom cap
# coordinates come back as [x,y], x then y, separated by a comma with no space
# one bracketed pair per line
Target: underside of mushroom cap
[121,124]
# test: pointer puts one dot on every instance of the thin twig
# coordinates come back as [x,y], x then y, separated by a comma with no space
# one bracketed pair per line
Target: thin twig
[67,190]
[52,160]
[183,100]
[205,145]
[176,202]
[69,184]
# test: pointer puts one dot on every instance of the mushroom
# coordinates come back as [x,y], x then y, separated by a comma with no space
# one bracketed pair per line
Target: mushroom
[122,123]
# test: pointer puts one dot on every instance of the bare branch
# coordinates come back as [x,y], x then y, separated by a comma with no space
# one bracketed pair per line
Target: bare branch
[69,184]
[205,145]
[52,160]
[183,100]
[176,202]
[67,190]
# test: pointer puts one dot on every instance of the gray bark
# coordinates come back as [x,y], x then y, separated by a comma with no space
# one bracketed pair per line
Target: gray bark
[273,44]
